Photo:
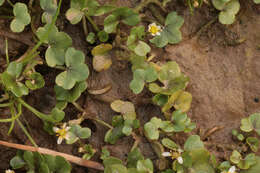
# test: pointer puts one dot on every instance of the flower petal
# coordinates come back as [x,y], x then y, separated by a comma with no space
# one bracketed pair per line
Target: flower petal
[67,128]
[232,169]
[180,160]
[64,125]
[55,129]
[60,139]
[166,154]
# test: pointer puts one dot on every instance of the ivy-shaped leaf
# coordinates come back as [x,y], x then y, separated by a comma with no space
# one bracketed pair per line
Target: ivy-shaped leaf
[76,71]
[58,43]
[251,123]
[253,142]
[228,13]
[171,32]
[102,59]
[9,79]
[35,81]
[122,14]
[22,17]
[141,76]
[70,95]
[49,7]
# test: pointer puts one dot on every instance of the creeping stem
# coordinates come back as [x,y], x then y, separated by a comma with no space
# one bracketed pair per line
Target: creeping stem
[36,112]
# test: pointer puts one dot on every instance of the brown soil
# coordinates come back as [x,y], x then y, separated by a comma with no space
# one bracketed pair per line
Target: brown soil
[224,81]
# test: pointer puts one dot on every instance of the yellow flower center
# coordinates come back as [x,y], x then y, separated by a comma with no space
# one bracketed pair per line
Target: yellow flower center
[154,29]
[175,155]
[62,133]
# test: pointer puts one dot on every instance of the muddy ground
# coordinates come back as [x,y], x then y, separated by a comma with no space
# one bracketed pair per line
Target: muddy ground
[223,63]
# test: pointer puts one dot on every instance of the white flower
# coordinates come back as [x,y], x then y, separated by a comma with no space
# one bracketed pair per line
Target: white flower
[174,155]
[180,160]
[9,171]
[154,29]
[63,133]
[232,169]
[166,154]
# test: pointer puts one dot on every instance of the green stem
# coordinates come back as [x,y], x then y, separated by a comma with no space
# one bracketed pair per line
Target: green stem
[84,23]
[34,49]
[10,3]
[5,104]
[6,51]
[103,123]
[36,112]
[26,133]
[14,116]
[92,118]
[92,23]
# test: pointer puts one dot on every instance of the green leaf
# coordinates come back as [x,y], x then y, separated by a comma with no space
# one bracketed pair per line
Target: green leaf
[58,43]
[22,17]
[126,108]
[74,15]
[183,102]
[17,88]
[62,165]
[167,126]
[168,143]
[145,166]
[17,162]
[29,159]
[2,2]
[103,36]
[133,158]
[193,143]
[70,95]
[124,14]
[220,4]
[127,130]
[136,33]
[114,134]
[179,119]
[235,157]
[57,114]
[246,125]
[228,14]
[104,9]
[15,69]
[36,81]
[251,123]
[169,71]
[160,99]
[142,48]
[171,32]
[76,71]
[254,168]
[91,38]
[249,161]
[80,132]
[136,86]
[151,131]
[44,168]
[115,168]
[101,49]
[257,1]
[253,142]
[49,7]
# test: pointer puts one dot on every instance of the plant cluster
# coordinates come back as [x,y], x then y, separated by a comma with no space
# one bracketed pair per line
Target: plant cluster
[164,80]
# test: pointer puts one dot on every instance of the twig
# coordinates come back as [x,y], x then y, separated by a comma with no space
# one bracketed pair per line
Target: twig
[16,37]
[70,158]
[211,131]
